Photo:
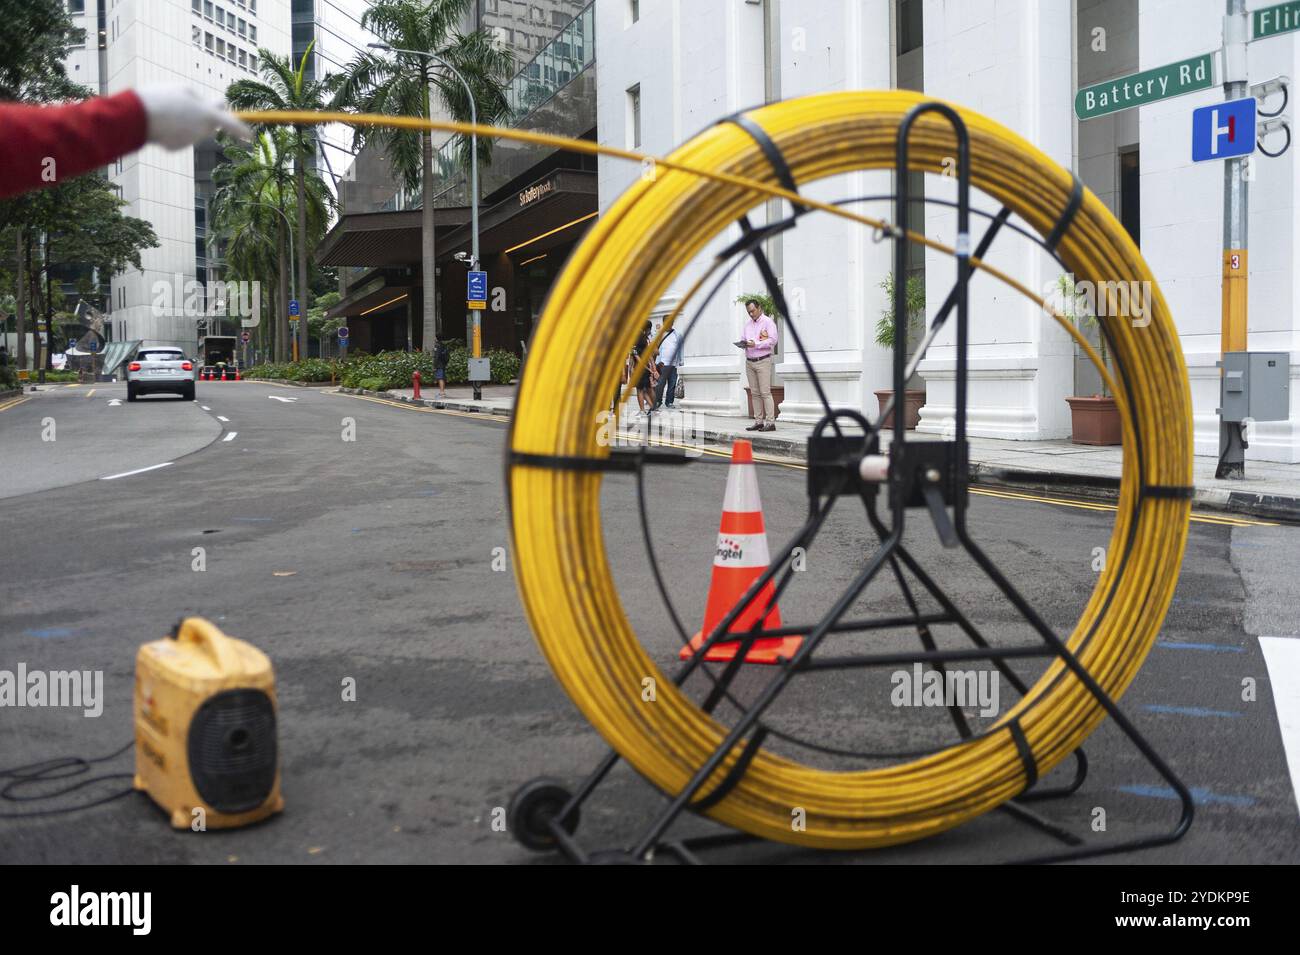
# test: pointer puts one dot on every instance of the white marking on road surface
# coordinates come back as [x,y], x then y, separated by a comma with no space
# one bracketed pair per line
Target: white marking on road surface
[1282,654]
[114,402]
[230,436]
[278,398]
[152,467]
[205,407]
[220,418]
[90,392]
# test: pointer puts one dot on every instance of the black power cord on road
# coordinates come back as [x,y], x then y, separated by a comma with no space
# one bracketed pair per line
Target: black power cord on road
[66,767]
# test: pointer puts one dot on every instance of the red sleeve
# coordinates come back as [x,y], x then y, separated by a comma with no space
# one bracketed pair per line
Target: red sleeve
[78,137]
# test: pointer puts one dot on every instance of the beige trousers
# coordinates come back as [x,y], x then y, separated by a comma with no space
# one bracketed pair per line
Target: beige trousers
[759,375]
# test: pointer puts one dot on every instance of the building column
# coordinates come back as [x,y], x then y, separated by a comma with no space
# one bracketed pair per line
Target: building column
[1011,61]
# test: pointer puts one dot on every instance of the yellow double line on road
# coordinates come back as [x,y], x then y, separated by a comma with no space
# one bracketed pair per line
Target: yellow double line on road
[1221,520]
[6,405]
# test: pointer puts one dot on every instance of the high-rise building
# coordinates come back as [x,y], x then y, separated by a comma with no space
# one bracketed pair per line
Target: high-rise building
[332,29]
[204,44]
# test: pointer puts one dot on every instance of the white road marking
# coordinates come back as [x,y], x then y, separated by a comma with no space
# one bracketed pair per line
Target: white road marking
[230,436]
[115,403]
[278,398]
[1282,654]
[152,467]
[221,418]
[205,407]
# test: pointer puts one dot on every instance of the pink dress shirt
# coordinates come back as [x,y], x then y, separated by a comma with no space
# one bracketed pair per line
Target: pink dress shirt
[763,345]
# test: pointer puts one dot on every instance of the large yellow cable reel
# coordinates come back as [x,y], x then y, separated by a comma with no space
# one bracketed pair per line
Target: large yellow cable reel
[613,280]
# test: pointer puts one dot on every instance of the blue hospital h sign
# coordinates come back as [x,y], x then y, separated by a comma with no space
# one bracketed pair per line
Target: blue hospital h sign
[1224,130]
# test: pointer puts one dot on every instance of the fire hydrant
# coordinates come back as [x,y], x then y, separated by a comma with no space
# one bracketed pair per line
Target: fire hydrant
[415,383]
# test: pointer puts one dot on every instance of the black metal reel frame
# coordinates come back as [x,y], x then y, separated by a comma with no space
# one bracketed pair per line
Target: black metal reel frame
[930,474]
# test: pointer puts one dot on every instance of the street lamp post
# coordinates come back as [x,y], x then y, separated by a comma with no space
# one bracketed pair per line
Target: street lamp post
[473,178]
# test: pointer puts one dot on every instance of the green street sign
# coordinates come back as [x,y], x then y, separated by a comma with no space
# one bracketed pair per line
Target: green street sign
[1126,92]
[1270,21]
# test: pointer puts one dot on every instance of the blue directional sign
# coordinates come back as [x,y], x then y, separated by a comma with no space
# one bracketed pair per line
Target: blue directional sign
[1224,130]
[92,345]
[293,306]
[477,287]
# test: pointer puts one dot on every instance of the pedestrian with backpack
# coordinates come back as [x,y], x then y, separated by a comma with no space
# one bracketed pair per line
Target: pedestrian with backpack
[440,357]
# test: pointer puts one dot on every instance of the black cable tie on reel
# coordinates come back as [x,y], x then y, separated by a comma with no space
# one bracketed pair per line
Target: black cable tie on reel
[735,774]
[621,459]
[1071,207]
[772,152]
[1168,492]
[1026,754]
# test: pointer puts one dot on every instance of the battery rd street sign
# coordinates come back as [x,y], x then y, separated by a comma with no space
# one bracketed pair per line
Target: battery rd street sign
[1224,130]
[1126,92]
[1270,21]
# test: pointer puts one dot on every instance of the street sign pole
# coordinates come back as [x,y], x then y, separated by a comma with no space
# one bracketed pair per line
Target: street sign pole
[1236,197]
[476,300]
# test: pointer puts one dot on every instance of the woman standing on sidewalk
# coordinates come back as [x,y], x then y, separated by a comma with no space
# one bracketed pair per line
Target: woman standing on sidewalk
[645,395]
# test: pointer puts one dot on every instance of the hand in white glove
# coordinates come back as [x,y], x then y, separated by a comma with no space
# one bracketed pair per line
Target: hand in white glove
[179,117]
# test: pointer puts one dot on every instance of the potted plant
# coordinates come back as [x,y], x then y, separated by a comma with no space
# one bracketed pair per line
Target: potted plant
[778,391]
[1094,419]
[886,329]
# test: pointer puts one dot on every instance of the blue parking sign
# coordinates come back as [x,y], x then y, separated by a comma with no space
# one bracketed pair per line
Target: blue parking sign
[1224,130]
[477,287]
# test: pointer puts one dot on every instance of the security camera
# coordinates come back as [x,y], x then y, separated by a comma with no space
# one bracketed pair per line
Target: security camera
[461,257]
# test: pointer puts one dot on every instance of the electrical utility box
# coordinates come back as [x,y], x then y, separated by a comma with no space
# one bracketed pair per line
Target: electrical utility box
[1255,385]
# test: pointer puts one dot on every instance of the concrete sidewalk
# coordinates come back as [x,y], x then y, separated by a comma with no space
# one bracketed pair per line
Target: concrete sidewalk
[1270,490]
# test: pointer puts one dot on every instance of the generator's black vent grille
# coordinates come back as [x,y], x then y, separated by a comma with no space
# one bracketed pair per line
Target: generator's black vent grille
[232,750]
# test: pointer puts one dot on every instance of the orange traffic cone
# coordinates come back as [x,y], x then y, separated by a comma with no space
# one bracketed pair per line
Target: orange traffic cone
[739,560]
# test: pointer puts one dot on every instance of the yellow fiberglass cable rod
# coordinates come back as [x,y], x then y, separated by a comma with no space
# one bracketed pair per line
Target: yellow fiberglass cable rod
[613,280]
[417,124]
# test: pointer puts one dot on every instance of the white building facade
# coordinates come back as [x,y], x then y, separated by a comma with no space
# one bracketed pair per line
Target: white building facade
[203,44]
[670,68]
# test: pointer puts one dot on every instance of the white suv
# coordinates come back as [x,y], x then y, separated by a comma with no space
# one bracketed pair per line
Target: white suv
[160,370]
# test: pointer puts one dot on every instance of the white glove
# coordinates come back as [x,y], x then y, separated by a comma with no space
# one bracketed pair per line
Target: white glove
[179,117]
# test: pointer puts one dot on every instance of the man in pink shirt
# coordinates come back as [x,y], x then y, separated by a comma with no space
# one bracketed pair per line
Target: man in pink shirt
[760,343]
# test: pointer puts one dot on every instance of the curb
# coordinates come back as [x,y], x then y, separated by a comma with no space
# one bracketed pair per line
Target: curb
[1273,507]
[284,383]
[448,404]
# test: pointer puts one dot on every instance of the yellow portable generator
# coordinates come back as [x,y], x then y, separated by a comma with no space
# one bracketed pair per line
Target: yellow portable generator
[205,735]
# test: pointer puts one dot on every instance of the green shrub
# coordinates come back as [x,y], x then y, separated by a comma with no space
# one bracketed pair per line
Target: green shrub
[311,369]
[394,368]
[371,384]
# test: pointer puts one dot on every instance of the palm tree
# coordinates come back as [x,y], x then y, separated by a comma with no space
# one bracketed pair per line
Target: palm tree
[252,182]
[399,83]
[288,88]
[254,200]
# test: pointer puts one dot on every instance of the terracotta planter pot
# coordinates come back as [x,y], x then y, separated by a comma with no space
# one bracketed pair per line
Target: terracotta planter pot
[1094,420]
[778,395]
[913,400]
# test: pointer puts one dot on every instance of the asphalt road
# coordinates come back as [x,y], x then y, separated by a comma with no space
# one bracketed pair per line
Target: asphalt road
[372,559]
